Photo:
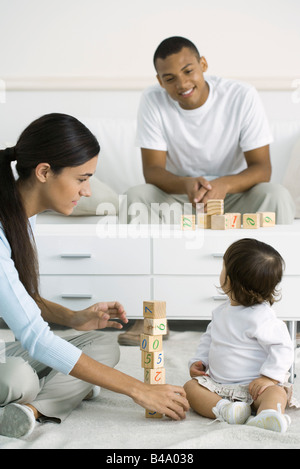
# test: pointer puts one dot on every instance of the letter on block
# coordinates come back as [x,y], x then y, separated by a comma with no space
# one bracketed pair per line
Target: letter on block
[251,220]
[152,359]
[215,207]
[150,414]
[154,309]
[188,222]
[220,222]
[155,375]
[204,220]
[267,219]
[235,220]
[155,326]
[151,343]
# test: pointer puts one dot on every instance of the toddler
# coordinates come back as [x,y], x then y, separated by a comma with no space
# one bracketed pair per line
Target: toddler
[244,356]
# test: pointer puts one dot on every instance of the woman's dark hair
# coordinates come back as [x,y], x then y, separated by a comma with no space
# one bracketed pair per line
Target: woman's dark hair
[254,270]
[173,45]
[57,139]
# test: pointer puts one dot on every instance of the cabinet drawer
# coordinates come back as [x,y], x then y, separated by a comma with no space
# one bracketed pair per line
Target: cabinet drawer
[92,255]
[195,297]
[188,297]
[172,256]
[175,256]
[78,292]
[289,306]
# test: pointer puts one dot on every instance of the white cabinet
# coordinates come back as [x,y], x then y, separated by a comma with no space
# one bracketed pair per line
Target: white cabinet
[188,297]
[187,279]
[79,268]
[80,291]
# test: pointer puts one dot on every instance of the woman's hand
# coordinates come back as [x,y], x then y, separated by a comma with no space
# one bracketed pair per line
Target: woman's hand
[164,398]
[99,316]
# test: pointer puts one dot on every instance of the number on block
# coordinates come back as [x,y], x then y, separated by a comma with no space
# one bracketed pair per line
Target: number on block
[151,343]
[155,326]
[152,359]
[154,309]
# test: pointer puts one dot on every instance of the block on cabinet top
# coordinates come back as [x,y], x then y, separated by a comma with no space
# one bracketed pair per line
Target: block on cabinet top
[220,222]
[235,220]
[251,221]
[188,222]
[267,219]
[215,207]
[204,220]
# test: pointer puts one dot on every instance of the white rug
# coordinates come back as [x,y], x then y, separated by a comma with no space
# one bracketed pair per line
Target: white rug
[113,421]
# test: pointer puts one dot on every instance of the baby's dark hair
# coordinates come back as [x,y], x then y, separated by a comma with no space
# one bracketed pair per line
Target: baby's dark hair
[254,270]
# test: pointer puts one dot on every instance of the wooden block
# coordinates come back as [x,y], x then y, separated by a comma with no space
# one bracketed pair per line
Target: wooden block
[155,375]
[149,414]
[251,221]
[152,359]
[220,222]
[215,207]
[154,309]
[204,220]
[267,219]
[155,326]
[151,343]
[188,222]
[235,220]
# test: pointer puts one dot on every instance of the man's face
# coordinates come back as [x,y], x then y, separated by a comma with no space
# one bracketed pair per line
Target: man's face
[181,75]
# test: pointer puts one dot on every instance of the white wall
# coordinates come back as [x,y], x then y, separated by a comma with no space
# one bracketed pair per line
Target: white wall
[93,57]
[117,38]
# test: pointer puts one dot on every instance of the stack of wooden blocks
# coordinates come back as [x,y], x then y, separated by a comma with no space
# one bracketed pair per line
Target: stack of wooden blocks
[215,219]
[151,345]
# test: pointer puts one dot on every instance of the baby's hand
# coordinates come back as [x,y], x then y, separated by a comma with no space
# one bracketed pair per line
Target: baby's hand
[197,369]
[258,385]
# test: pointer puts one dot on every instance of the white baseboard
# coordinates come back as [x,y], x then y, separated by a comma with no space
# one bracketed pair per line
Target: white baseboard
[63,83]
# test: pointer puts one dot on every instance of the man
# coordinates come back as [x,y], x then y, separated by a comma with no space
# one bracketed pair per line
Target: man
[203,138]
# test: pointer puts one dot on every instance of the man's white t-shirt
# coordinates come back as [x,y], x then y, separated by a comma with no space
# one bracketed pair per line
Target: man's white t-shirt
[207,141]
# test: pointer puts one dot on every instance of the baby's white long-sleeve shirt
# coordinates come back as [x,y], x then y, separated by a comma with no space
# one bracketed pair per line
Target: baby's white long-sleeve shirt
[242,343]
[23,317]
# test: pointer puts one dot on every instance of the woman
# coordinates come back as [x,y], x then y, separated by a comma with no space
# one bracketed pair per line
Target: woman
[43,376]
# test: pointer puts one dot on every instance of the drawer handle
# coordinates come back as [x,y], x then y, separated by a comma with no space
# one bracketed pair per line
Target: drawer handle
[72,255]
[77,295]
[217,254]
[219,298]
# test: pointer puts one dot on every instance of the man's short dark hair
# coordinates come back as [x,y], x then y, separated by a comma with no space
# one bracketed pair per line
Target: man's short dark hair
[173,45]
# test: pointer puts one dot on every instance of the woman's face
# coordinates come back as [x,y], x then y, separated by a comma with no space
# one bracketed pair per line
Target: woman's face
[63,191]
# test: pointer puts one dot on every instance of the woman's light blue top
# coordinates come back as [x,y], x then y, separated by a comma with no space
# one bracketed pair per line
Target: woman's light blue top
[23,317]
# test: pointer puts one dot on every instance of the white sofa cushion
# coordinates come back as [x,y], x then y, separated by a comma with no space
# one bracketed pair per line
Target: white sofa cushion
[292,176]
[120,163]
[285,134]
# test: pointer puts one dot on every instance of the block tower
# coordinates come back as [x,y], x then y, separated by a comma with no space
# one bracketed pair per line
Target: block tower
[151,345]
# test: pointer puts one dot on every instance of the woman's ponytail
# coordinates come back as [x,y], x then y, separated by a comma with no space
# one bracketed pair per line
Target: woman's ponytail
[16,225]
